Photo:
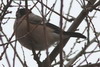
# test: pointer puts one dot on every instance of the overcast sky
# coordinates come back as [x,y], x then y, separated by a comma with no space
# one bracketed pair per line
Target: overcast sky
[76,9]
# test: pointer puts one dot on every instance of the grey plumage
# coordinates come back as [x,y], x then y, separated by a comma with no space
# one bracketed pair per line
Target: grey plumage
[35,37]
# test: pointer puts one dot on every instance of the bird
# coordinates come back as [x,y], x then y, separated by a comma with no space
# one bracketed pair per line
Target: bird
[32,34]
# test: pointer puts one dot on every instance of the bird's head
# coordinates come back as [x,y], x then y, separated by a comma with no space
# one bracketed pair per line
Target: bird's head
[21,12]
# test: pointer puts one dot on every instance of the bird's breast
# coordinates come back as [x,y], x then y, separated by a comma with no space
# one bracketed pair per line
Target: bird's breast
[38,36]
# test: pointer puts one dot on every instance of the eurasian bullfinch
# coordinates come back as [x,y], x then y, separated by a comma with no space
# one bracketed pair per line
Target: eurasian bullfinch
[30,32]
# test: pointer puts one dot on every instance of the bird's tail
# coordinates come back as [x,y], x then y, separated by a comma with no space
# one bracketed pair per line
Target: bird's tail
[74,34]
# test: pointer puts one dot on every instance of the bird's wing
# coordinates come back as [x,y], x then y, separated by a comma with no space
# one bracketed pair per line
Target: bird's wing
[71,34]
[55,28]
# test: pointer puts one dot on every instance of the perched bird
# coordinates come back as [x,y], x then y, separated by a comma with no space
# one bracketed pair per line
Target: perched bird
[31,34]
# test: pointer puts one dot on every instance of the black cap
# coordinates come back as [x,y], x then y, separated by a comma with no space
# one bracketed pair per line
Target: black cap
[21,12]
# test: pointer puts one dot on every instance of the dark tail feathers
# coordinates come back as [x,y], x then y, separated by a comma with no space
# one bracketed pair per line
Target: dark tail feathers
[75,34]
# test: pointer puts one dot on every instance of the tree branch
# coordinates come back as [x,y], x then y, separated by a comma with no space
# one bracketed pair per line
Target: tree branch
[72,28]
